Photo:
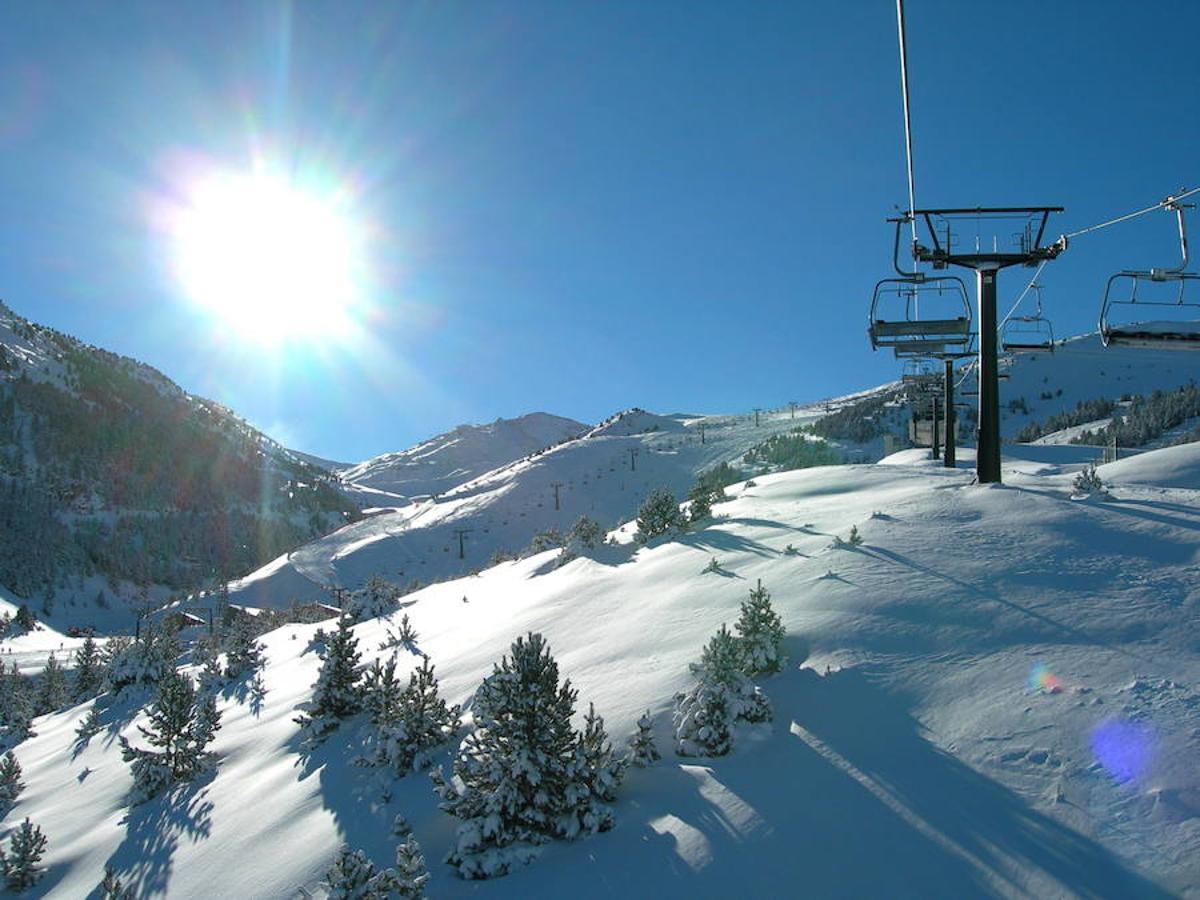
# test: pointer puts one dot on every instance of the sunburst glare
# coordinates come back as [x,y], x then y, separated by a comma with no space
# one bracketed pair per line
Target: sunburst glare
[272,261]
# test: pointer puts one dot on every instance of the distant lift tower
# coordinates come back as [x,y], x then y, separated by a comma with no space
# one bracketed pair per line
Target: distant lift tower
[946,227]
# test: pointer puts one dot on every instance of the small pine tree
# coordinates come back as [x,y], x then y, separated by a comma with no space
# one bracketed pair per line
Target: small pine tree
[721,695]
[11,784]
[337,694]
[54,692]
[511,775]
[25,619]
[181,725]
[408,634]
[1088,482]
[89,670]
[243,653]
[411,874]
[642,751]
[407,723]
[854,539]
[659,515]
[595,776]
[111,888]
[349,876]
[713,567]
[20,863]
[760,634]
[89,727]
[16,704]
[378,597]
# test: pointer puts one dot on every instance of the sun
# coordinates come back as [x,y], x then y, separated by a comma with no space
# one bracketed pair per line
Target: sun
[272,262]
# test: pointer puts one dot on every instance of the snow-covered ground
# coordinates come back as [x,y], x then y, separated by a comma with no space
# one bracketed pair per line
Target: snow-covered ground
[448,460]
[995,695]
[606,475]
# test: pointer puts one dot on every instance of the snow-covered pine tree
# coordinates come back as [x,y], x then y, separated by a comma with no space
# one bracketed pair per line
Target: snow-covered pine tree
[642,752]
[350,875]
[721,695]
[16,705]
[20,863]
[511,774]
[405,724]
[181,725]
[411,874]
[586,534]
[145,661]
[658,515]
[89,727]
[111,888]
[53,692]
[11,784]
[408,634]
[378,597]
[595,776]
[24,619]
[760,634]
[701,502]
[337,693]
[89,670]
[243,654]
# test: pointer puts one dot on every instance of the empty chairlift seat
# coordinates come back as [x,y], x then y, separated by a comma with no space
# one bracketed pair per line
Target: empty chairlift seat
[920,317]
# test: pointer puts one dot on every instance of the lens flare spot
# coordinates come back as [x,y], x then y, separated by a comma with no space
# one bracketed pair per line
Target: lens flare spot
[1123,748]
[1042,679]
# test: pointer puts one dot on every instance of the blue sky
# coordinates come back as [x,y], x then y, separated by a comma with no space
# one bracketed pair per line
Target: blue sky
[573,207]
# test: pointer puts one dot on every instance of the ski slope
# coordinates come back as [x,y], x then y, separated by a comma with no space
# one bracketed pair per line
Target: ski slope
[996,695]
[605,474]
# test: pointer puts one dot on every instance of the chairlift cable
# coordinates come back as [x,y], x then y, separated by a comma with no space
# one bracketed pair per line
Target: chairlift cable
[1133,215]
[1028,288]
[912,195]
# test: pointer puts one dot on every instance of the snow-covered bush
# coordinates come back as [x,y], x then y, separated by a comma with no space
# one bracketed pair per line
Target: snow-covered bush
[720,696]
[181,725]
[659,514]
[713,567]
[354,877]
[20,863]
[1088,482]
[854,539]
[522,778]
[405,724]
[337,694]
[642,751]
[760,634]
[378,597]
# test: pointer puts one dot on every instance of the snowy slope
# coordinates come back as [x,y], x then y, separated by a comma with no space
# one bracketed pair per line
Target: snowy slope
[1084,369]
[910,755]
[605,475]
[445,461]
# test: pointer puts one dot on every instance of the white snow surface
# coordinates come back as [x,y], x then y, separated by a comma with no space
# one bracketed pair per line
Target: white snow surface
[445,461]
[910,756]
[606,475]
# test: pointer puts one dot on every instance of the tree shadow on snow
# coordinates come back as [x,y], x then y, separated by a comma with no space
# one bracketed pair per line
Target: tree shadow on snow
[153,831]
[847,798]
[714,539]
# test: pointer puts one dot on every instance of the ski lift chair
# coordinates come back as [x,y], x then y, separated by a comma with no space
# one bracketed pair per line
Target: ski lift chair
[897,319]
[1028,332]
[1121,297]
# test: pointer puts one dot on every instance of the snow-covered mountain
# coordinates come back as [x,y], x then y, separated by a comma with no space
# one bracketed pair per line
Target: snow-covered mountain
[604,474]
[448,460]
[115,481]
[994,695]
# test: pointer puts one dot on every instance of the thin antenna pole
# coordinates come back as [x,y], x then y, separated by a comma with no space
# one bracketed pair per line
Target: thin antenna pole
[912,194]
